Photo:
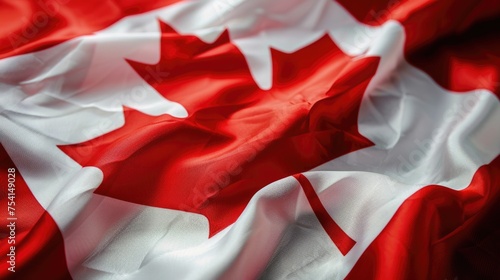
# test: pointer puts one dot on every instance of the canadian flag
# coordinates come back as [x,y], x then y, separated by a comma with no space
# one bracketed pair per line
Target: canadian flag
[245,139]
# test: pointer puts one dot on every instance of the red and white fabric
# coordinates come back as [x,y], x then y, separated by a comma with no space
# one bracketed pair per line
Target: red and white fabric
[244,139]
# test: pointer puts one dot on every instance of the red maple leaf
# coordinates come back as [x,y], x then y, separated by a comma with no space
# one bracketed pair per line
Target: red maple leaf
[237,138]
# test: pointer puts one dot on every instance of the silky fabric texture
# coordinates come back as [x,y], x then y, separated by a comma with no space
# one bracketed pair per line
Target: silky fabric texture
[391,122]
